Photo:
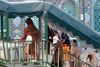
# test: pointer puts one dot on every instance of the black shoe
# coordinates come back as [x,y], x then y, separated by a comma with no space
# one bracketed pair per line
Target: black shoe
[37,63]
[24,63]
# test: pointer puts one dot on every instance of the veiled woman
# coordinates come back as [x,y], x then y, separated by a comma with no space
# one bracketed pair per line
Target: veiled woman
[75,52]
[92,60]
[34,32]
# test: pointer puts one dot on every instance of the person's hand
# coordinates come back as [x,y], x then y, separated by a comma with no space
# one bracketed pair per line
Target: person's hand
[73,53]
[59,40]
[62,41]
[69,51]
[50,38]
[88,64]
[21,39]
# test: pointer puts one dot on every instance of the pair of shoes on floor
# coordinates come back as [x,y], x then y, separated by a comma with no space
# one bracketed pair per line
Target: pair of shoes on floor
[37,63]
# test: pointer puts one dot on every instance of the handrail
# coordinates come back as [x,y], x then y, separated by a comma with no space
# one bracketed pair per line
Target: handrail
[15,41]
[2,62]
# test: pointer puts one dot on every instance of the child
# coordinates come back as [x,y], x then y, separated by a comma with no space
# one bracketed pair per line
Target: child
[56,37]
[26,51]
[58,43]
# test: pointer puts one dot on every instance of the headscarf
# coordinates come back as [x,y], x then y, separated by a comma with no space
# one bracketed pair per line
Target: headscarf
[93,61]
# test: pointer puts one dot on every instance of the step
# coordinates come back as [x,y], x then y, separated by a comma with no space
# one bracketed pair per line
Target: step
[28,65]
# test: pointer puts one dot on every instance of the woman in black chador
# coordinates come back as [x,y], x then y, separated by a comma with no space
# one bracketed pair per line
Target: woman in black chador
[50,38]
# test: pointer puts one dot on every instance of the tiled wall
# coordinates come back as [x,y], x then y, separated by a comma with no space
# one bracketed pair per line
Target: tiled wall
[86,12]
[16,25]
[16,28]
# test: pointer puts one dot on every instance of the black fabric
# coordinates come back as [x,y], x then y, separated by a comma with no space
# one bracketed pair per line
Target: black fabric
[48,47]
[60,64]
[65,38]
[50,31]
[5,38]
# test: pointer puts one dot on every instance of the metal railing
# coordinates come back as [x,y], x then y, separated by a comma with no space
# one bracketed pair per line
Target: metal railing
[2,61]
[14,54]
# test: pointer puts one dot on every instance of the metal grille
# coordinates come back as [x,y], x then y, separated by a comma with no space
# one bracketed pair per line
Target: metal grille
[97,16]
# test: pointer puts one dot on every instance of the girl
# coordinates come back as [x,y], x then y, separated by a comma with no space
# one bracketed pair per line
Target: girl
[56,37]
[58,43]
[26,51]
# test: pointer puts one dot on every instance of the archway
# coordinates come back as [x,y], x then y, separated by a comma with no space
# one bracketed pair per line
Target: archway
[70,7]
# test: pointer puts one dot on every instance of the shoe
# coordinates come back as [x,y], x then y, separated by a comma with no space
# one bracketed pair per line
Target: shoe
[37,63]
[24,64]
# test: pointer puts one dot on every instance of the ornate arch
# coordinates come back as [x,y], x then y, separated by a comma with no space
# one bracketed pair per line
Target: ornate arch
[69,6]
